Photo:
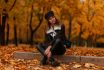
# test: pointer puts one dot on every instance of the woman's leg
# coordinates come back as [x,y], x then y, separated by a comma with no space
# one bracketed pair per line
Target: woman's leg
[58,48]
[41,49]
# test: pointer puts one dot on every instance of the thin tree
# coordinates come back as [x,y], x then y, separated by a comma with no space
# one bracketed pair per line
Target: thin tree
[2,26]
[33,31]
[7,40]
[15,31]
[4,17]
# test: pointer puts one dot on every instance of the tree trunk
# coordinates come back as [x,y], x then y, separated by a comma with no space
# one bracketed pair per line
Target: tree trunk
[7,41]
[3,20]
[79,38]
[2,29]
[27,34]
[15,33]
[30,25]
[33,31]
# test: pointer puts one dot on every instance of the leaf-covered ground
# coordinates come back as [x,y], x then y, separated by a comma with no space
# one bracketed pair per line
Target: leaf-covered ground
[81,51]
[8,63]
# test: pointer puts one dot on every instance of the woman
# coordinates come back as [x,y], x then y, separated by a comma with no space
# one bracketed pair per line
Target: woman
[55,40]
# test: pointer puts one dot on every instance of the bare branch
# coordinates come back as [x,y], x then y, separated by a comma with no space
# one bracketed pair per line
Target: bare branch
[12,5]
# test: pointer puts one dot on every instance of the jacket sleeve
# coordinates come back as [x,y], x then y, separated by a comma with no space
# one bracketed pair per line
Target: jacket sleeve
[65,40]
[63,32]
[48,39]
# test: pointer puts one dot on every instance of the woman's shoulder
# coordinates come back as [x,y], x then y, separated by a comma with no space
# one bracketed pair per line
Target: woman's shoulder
[48,30]
[62,25]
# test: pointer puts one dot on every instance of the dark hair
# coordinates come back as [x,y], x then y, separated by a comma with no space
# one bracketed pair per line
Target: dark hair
[57,23]
[48,15]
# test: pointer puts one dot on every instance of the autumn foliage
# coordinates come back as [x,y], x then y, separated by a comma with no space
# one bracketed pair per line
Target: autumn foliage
[83,19]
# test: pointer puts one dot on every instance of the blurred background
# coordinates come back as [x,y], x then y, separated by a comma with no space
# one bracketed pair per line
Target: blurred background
[22,21]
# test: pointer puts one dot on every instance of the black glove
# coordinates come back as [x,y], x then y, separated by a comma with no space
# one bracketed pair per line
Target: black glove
[67,43]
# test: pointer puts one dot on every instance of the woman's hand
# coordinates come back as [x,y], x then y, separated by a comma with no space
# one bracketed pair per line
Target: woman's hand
[49,55]
[48,52]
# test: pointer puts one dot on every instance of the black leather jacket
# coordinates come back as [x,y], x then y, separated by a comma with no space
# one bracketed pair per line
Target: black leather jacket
[55,32]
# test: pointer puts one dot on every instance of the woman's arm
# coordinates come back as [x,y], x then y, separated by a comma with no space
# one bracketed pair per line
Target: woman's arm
[67,43]
[63,32]
[48,44]
[48,39]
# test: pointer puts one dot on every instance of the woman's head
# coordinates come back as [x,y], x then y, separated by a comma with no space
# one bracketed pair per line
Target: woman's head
[49,16]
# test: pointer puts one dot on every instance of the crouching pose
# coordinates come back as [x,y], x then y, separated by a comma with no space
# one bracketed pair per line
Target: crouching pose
[55,40]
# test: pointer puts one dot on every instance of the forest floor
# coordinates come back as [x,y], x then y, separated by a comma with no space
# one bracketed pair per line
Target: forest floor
[7,62]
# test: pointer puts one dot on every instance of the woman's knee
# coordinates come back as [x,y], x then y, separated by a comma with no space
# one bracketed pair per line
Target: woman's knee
[57,41]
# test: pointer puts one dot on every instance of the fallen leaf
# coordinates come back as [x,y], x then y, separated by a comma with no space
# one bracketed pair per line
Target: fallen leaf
[77,66]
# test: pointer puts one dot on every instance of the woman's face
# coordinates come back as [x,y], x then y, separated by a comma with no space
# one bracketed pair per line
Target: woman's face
[52,20]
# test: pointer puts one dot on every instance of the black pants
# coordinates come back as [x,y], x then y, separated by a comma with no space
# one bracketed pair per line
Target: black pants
[57,48]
